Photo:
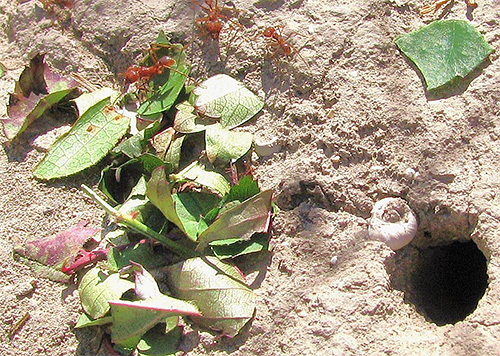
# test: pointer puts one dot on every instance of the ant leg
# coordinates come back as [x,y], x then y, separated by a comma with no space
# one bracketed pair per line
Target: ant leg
[434,6]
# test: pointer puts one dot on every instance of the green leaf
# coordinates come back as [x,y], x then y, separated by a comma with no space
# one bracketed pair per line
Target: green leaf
[91,138]
[222,97]
[161,142]
[168,85]
[190,207]
[173,154]
[84,321]
[444,50]
[186,120]
[158,343]
[211,180]
[226,146]
[219,291]
[97,288]
[3,69]
[134,146]
[241,221]
[140,253]
[87,100]
[132,319]
[237,247]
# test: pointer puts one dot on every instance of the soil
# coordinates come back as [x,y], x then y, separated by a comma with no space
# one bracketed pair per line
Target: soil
[355,125]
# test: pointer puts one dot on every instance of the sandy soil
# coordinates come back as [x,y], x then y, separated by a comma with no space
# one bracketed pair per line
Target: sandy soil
[355,125]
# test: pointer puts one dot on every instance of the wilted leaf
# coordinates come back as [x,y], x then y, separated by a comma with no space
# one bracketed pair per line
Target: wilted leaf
[186,120]
[91,138]
[37,90]
[444,50]
[161,142]
[241,221]
[222,97]
[237,247]
[225,146]
[132,319]
[211,180]
[97,288]
[58,249]
[219,291]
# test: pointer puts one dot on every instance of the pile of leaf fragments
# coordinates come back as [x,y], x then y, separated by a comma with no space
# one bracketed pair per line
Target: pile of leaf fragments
[178,190]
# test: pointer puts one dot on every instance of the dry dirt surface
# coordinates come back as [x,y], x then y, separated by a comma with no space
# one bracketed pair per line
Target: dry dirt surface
[355,125]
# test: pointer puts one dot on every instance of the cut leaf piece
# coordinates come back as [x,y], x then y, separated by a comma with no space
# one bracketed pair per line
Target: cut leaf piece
[226,146]
[219,291]
[97,288]
[58,249]
[186,121]
[37,90]
[91,138]
[131,320]
[158,343]
[84,321]
[241,221]
[87,100]
[237,247]
[222,97]
[444,50]
[211,180]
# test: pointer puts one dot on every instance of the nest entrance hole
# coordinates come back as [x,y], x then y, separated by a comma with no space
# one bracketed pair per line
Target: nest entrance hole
[445,283]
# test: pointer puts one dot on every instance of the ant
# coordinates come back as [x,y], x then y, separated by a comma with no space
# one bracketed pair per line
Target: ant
[50,5]
[212,22]
[439,3]
[278,43]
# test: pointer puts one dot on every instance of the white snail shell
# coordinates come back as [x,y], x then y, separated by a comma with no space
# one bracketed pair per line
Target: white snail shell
[392,222]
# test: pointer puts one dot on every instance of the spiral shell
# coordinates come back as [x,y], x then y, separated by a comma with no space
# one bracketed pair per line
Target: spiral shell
[392,222]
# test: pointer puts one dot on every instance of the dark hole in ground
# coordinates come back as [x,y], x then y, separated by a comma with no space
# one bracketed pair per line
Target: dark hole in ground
[449,281]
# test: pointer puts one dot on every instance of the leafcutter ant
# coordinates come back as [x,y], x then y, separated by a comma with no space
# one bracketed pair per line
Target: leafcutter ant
[277,44]
[214,20]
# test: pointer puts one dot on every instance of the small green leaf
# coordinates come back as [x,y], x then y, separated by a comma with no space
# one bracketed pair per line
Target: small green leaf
[91,138]
[186,121]
[158,343]
[211,180]
[132,319]
[444,50]
[97,288]
[237,247]
[222,97]
[3,69]
[173,154]
[241,221]
[134,146]
[226,146]
[219,291]
[168,85]
[84,321]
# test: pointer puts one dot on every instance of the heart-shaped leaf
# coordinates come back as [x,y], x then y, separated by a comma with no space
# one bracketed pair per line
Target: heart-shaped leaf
[444,50]
[90,139]
[241,221]
[219,291]
[225,146]
[38,89]
[222,97]
[97,288]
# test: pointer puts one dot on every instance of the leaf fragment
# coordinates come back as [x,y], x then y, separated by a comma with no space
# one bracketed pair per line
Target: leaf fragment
[226,146]
[219,291]
[94,134]
[444,50]
[222,97]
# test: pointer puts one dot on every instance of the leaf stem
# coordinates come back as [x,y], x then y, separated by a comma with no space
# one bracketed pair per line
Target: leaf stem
[134,225]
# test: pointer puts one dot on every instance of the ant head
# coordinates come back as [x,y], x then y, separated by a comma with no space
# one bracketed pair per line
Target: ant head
[269,32]
[166,61]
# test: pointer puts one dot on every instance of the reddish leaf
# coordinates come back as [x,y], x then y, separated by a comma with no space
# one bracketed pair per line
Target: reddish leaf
[58,249]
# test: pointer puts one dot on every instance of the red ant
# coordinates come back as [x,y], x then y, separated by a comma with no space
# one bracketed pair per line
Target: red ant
[212,22]
[276,41]
[135,73]
[49,5]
